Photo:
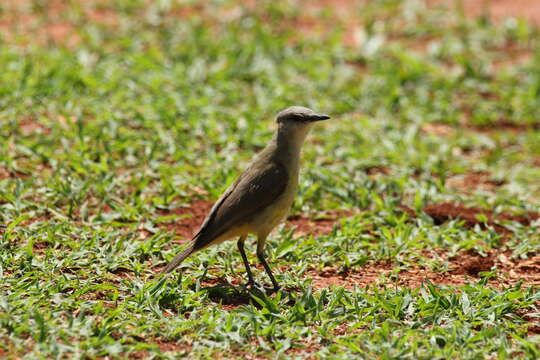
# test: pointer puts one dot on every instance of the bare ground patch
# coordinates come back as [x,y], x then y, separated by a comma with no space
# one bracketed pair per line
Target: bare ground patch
[474,180]
[11,174]
[163,344]
[315,20]
[50,24]
[30,125]
[496,9]
[379,272]
[377,171]
[465,267]
[53,22]
[322,225]
[504,125]
[534,326]
[445,130]
[471,217]
[512,55]
[438,129]
[41,24]
[190,218]
[24,171]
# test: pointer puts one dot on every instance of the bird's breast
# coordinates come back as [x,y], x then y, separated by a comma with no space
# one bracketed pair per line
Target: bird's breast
[276,212]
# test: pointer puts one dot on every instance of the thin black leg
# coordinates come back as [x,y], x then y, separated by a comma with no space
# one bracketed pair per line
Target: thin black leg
[260,255]
[240,244]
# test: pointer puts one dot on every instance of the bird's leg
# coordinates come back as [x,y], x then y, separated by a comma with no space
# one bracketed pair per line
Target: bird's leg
[240,244]
[260,254]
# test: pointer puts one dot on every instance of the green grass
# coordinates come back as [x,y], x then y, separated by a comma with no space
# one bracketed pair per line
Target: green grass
[101,137]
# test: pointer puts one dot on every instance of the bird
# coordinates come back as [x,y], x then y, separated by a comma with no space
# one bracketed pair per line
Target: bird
[261,196]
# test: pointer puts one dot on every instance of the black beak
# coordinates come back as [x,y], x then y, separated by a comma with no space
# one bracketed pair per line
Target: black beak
[319,117]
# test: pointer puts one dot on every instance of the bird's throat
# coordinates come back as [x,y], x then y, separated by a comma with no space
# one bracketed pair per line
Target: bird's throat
[289,140]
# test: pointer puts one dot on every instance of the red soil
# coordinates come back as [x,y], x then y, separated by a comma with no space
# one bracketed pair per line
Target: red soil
[442,129]
[338,13]
[163,344]
[506,126]
[319,226]
[438,129]
[376,170]
[29,125]
[471,217]
[497,9]
[465,267]
[474,180]
[191,218]
[16,19]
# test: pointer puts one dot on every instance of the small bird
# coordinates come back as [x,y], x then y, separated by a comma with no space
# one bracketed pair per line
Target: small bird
[261,196]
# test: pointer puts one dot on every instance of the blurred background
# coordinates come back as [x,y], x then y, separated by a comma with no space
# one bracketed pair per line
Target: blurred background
[122,121]
[96,88]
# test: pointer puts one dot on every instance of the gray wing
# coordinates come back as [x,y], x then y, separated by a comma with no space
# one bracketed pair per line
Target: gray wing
[258,187]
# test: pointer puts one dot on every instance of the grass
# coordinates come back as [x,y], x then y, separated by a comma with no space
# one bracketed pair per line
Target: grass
[154,106]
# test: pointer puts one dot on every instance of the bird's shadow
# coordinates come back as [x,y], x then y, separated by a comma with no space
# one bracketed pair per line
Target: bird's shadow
[228,294]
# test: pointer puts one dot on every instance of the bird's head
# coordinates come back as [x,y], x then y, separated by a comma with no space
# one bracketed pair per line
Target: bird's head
[295,122]
[299,116]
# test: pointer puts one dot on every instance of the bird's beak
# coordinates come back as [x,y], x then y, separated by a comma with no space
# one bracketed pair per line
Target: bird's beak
[319,117]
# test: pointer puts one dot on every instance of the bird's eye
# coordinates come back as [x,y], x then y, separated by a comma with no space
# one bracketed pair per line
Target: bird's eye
[298,118]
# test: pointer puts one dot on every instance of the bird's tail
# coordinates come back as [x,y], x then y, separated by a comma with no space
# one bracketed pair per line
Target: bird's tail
[190,249]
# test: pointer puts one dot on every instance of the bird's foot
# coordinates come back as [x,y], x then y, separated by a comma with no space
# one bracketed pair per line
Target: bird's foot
[252,284]
[273,290]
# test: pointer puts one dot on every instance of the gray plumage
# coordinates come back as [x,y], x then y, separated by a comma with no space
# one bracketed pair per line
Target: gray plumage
[261,196]
[253,191]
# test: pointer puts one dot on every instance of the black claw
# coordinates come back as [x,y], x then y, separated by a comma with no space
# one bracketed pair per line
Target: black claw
[274,290]
[253,284]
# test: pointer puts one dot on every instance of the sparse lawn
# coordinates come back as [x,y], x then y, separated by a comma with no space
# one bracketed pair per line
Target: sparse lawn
[416,232]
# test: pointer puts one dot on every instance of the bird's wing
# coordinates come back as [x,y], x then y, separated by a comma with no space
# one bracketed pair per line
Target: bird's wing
[255,189]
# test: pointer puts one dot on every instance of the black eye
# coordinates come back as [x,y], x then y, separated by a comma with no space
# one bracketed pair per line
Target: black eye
[298,118]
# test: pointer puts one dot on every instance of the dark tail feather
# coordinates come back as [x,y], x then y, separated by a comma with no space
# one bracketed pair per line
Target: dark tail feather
[179,258]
